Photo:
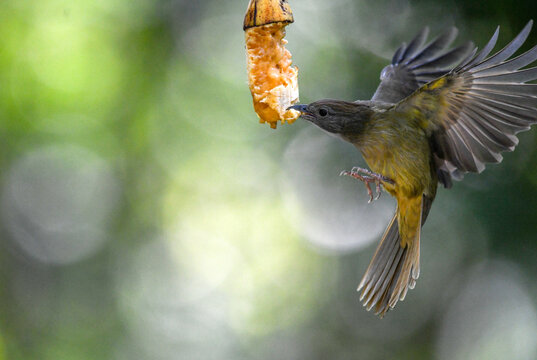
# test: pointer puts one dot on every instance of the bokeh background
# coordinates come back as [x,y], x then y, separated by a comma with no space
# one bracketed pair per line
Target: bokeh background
[145,214]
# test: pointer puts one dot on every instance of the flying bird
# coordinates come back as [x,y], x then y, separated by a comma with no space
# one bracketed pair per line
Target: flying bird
[438,113]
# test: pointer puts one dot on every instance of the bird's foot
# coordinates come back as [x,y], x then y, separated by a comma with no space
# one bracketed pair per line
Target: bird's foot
[368,177]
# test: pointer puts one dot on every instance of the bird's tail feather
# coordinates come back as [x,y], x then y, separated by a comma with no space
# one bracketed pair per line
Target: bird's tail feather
[394,269]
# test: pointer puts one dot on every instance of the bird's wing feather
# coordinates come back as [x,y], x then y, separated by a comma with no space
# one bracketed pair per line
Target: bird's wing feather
[417,64]
[474,112]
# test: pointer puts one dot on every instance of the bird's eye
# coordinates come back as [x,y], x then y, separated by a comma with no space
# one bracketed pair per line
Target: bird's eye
[323,112]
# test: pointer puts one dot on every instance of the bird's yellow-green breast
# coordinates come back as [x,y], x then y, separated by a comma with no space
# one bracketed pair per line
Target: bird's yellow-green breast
[396,146]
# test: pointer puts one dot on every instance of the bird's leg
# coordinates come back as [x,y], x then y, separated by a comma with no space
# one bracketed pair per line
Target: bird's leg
[367,178]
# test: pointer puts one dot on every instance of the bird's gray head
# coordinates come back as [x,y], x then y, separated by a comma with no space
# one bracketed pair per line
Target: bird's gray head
[335,116]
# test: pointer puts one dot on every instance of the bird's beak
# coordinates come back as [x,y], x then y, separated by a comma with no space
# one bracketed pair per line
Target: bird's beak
[299,107]
[304,113]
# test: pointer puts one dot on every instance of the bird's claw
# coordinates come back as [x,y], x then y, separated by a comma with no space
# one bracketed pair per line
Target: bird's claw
[368,177]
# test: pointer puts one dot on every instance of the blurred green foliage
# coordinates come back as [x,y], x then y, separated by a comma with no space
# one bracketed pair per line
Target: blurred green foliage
[145,214]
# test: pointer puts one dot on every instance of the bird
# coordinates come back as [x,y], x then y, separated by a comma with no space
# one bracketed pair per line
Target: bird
[438,113]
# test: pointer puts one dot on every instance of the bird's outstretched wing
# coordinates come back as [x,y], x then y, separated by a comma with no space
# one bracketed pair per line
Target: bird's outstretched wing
[415,65]
[473,113]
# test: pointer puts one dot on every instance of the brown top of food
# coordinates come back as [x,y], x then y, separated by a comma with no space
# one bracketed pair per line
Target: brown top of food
[263,12]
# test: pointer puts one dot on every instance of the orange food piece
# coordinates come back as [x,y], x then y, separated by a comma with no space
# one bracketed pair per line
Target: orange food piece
[272,80]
